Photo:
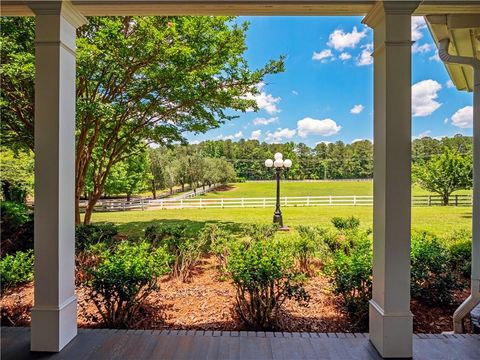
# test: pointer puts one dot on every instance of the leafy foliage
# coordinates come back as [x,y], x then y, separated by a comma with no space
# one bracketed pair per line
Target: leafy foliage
[122,280]
[219,241]
[350,223]
[351,276]
[306,245]
[184,247]
[16,168]
[260,231]
[91,234]
[263,276]
[16,227]
[443,174]
[432,281]
[16,269]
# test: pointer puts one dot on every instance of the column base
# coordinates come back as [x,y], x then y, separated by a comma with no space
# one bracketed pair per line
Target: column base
[53,327]
[391,334]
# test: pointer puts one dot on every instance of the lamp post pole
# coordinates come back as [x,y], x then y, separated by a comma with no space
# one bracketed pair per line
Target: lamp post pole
[279,164]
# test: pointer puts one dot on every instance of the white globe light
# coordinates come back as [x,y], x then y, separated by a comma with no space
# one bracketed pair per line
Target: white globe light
[278,163]
[278,156]
[269,163]
[287,163]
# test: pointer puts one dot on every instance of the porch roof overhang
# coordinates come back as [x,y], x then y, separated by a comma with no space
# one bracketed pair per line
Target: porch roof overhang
[239,7]
[463,31]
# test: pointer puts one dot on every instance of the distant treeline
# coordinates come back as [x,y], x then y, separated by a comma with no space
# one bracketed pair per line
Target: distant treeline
[324,161]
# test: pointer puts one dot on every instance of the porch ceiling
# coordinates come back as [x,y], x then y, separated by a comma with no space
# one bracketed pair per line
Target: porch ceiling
[464,34]
[241,7]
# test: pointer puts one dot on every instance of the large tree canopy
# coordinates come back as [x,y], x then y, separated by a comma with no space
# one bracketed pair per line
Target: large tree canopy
[139,80]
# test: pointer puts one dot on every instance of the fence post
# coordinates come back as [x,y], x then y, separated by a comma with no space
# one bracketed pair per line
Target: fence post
[161,204]
[221,202]
[200,203]
[264,204]
[243,205]
[456,200]
[330,202]
[181,203]
[308,200]
[285,201]
[354,200]
[429,200]
[123,205]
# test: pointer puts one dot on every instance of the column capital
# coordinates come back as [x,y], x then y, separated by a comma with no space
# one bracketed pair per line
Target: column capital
[59,7]
[382,8]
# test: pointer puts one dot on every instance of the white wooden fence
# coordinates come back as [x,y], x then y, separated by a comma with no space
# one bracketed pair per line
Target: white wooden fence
[267,202]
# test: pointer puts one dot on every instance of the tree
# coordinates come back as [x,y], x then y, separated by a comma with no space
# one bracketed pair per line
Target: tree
[443,174]
[17,174]
[139,80]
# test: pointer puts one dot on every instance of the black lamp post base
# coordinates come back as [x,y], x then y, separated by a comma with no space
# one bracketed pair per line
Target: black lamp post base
[284,228]
[277,219]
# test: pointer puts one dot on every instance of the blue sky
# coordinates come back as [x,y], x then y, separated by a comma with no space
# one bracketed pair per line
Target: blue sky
[326,91]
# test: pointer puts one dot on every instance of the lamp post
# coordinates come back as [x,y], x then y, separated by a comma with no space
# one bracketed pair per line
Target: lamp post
[279,164]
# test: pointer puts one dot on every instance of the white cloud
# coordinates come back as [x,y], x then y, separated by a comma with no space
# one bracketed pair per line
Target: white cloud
[194,142]
[341,40]
[450,84]
[309,126]
[445,121]
[422,135]
[345,56]
[264,101]
[294,92]
[435,57]
[279,135]
[358,140]
[365,58]
[237,135]
[264,121]
[255,134]
[418,24]
[357,109]
[463,118]
[323,55]
[424,94]
[323,142]
[424,48]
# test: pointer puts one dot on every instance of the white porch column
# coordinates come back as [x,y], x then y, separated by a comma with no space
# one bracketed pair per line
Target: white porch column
[54,315]
[391,322]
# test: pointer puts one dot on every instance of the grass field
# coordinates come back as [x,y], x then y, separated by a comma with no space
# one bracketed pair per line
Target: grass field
[435,219]
[324,188]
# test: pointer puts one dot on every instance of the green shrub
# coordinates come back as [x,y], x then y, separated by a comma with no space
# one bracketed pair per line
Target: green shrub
[351,277]
[260,231]
[16,227]
[262,274]
[306,245]
[185,247]
[123,278]
[91,234]
[218,241]
[16,269]
[347,223]
[461,258]
[432,280]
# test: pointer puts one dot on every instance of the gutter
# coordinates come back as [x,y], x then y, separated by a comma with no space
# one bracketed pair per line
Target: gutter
[474,299]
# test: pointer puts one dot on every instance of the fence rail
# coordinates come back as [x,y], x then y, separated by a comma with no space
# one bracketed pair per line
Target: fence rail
[293,201]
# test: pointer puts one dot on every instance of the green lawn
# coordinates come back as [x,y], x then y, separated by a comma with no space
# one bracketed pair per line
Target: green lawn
[436,219]
[335,188]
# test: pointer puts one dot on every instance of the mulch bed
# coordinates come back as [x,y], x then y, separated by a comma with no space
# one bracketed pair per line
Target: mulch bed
[207,303]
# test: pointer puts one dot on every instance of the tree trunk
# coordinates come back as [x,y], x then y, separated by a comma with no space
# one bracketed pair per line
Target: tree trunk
[445,199]
[154,190]
[183,187]
[90,206]
[129,196]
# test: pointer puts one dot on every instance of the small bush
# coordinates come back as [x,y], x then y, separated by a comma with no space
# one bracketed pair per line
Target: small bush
[262,274]
[185,248]
[461,258]
[123,278]
[432,281]
[91,234]
[16,227]
[306,246]
[219,241]
[349,223]
[260,231]
[16,269]
[351,277]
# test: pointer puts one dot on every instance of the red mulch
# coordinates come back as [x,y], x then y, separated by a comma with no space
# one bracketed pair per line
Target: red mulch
[207,303]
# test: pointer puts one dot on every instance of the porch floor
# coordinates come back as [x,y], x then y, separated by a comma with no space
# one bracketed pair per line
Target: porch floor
[181,344]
